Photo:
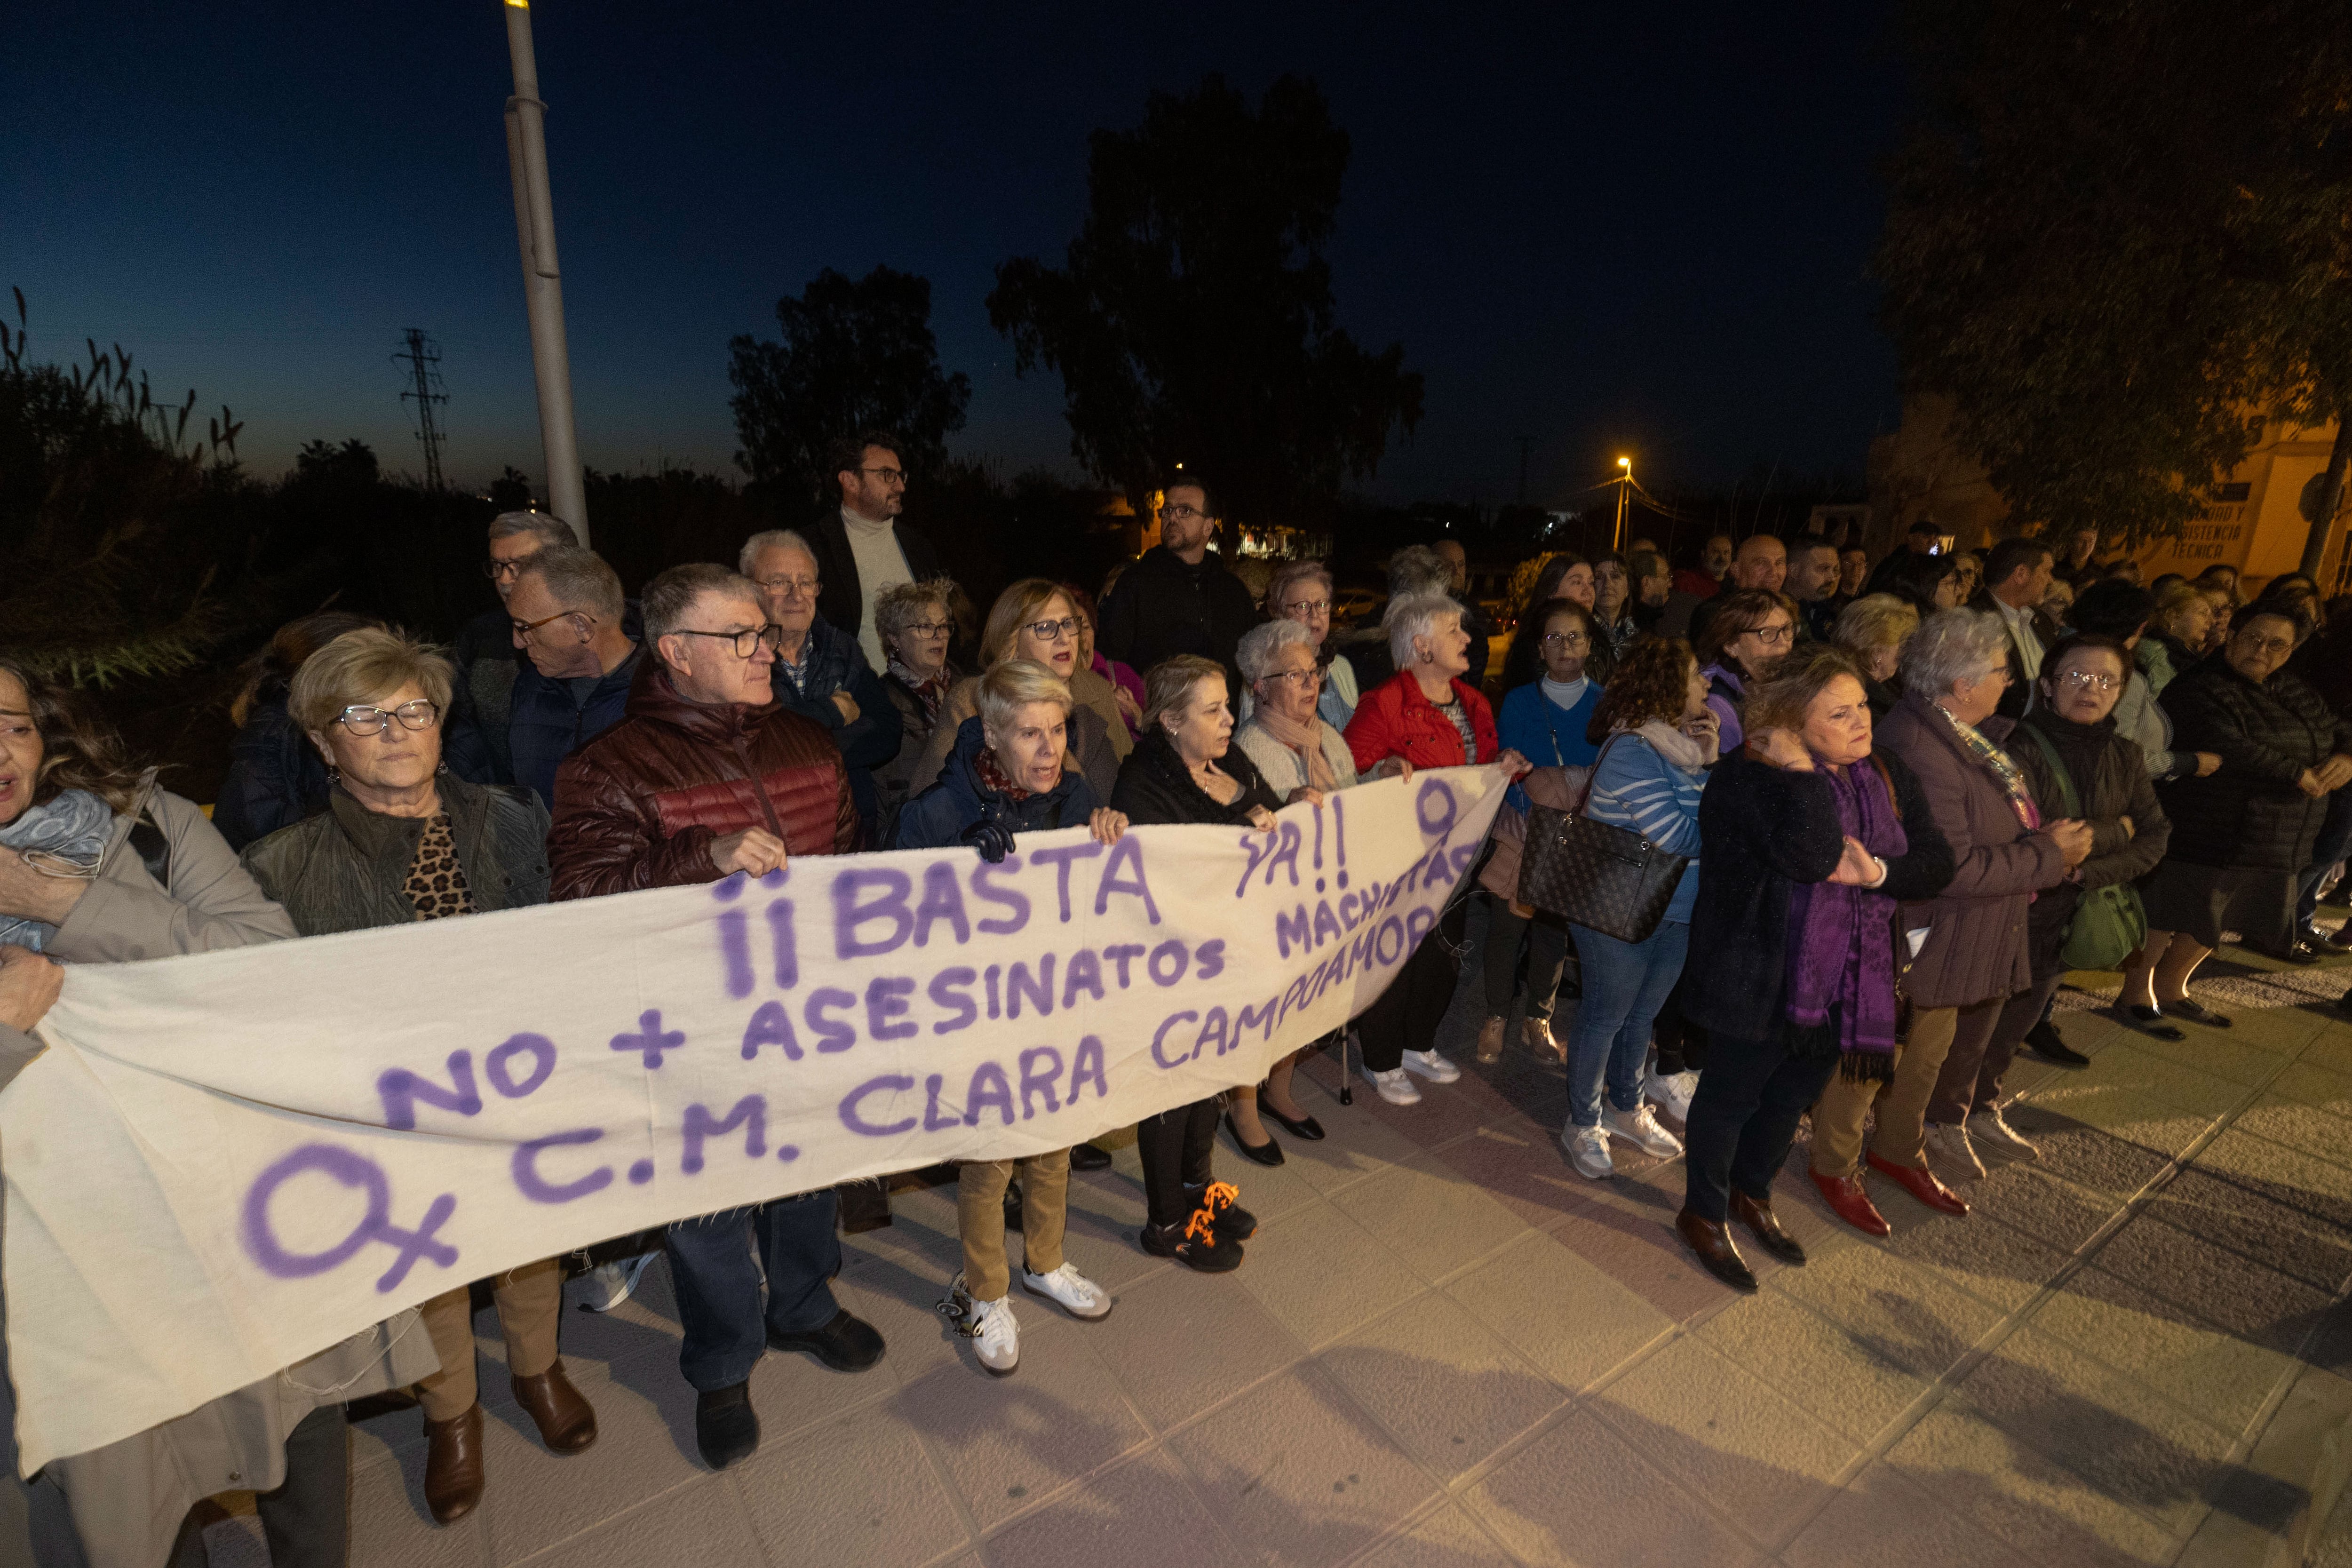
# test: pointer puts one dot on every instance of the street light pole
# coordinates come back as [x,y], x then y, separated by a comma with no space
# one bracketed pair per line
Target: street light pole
[1625,487]
[543,280]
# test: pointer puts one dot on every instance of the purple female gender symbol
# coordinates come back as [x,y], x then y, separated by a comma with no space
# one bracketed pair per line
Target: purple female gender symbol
[352,1170]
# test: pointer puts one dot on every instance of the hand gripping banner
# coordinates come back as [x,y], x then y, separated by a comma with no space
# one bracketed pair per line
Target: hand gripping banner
[228,1161]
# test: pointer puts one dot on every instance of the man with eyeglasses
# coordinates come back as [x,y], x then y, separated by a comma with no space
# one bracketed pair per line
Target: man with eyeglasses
[864,545]
[1176,598]
[708,775]
[580,642]
[823,673]
[485,652]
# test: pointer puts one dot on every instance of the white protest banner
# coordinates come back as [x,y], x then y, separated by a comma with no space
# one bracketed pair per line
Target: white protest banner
[228,1161]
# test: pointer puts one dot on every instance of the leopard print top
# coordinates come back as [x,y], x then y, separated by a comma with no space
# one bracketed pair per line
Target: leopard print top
[437,883]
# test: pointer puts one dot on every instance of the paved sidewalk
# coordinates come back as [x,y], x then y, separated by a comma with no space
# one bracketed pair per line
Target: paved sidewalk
[1446,1349]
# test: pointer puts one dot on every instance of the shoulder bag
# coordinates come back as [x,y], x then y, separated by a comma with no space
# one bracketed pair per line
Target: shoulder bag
[1595,874]
[2109,923]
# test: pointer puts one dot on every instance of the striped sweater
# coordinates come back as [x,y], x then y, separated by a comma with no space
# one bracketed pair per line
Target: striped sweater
[1638,788]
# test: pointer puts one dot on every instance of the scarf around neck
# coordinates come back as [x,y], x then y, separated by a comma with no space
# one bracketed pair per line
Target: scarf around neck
[1306,740]
[1841,938]
[992,776]
[927,693]
[1995,761]
[74,828]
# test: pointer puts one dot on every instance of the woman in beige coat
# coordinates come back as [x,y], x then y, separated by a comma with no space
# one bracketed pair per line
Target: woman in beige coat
[1972,952]
[97,866]
[1034,619]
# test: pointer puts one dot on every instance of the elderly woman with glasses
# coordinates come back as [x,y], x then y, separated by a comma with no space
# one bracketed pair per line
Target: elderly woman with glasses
[403,839]
[1971,955]
[1300,591]
[1033,619]
[2241,833]
[915,624]
[1430,715]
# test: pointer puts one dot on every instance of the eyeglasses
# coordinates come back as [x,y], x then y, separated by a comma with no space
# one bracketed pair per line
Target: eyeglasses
[792,587]
[497,570]
[365,718]
[746,643]
[1305,607]
[887,475]
[1055,631]
[926,629]
[1781,636]
[2267,645]
[524,628]
[2087,680]
[1302,678]
[1180,512]
[1566,639]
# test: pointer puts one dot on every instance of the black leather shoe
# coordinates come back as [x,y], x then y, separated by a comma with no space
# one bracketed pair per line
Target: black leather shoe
[2046,1042]
[1266,1153]
[726,1427]
[2150,1021]
[2198,1013]
[1765,1227]
[845,1344]
[1086,1157]
[1305,1127]
[2293,952]
[1013,1205]
[1713,1243]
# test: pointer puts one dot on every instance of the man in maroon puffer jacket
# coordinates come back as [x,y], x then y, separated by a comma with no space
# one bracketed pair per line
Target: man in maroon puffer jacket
[707,776]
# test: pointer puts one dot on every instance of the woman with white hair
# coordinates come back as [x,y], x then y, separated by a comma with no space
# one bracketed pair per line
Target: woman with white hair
[1427,715]
[1011,773]
[1295,750]
[1300,591]
[1972,952]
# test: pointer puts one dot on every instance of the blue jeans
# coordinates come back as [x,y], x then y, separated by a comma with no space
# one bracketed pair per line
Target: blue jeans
[2335,842]
[719,1285]
[1625,984]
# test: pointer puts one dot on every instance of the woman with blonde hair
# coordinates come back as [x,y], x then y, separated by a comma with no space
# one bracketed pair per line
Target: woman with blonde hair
[1034,619]
[1873,630]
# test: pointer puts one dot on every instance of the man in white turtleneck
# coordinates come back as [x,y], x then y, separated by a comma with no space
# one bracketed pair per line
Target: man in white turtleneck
[864,547]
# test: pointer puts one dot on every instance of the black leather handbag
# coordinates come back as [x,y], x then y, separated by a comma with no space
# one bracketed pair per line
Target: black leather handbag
[1596,874]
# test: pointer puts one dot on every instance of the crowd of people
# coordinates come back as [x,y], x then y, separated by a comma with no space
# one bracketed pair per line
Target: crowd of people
[1909,794]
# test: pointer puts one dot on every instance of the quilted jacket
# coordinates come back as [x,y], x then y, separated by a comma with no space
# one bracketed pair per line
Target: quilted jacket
[2249,813]
[639,806]
[1395,719]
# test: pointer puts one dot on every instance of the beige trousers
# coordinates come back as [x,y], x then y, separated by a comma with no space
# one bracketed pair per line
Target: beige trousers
[529,1301]
[1901,1136]
[979,1218]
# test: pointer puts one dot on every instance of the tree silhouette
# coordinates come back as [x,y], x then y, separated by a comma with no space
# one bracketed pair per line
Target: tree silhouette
[2118,239]
[857,354]
[1191,322]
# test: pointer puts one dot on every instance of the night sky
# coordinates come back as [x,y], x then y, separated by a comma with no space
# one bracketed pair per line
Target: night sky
[1637,227]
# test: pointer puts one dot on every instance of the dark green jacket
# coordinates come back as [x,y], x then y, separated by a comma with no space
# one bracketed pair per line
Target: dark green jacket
[345,869]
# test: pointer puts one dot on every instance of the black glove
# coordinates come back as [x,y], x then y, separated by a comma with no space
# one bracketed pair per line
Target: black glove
[992,838]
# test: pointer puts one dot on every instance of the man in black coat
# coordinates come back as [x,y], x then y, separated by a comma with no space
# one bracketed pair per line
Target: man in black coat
[863,545]
[1177,599]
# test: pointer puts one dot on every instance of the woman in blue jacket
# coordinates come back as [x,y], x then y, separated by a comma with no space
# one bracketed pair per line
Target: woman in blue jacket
[1545,721]
[1007,774]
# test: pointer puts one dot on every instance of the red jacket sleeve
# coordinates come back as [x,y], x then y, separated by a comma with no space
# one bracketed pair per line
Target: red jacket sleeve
[600,842]
[1371,732]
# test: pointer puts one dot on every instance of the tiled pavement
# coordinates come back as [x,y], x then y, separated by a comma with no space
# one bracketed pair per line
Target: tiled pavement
[1447,1348]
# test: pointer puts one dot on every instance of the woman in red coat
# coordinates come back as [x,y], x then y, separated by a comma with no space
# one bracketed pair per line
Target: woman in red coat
[1425,716]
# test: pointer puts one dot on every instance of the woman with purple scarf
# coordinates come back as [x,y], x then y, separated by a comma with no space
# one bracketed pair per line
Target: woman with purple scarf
[1809,841]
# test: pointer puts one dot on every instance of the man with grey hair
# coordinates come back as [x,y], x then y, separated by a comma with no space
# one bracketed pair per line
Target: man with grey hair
[1474,620]
[581,642]
[485,650]
[821,672]
[1415,571]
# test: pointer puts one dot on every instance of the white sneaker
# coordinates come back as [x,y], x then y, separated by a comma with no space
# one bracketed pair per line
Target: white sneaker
[996,1335]
[1394,1085]
[1078,1296]
[608,1285]
[1588,1151]
[1640,1129]
[1988,1128]
[1948,1140]
[1672,1092]
[1430,1065]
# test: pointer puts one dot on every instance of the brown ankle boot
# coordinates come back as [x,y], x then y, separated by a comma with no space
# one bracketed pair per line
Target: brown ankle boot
[453,1465]
[566,1421]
